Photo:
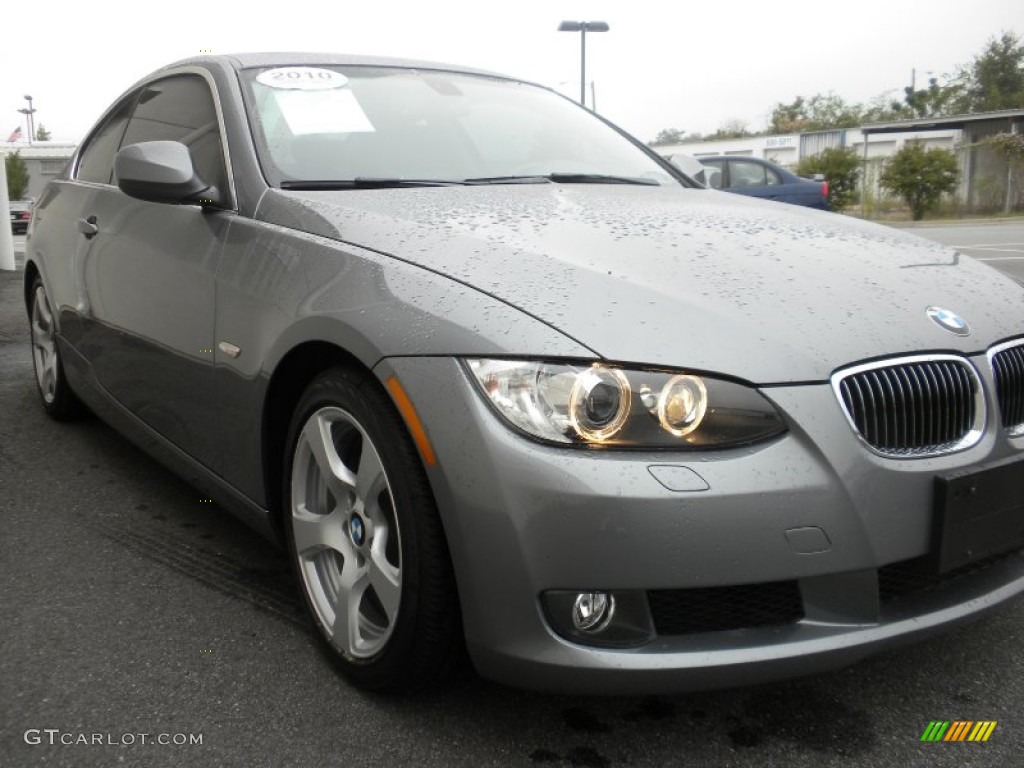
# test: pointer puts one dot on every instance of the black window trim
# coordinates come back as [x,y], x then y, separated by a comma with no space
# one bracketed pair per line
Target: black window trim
[133,94]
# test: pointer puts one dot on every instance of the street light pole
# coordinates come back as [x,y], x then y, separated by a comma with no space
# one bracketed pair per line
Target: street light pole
[29,120]
[583,27]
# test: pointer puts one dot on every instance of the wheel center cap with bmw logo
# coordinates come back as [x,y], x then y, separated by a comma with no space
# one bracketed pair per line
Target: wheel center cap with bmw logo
[358,530]
[949,320]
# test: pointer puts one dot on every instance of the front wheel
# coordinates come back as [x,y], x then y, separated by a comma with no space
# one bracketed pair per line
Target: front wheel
[365,538]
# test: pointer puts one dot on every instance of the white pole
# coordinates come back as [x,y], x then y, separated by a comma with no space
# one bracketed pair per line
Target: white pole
[864,180]
[6,239]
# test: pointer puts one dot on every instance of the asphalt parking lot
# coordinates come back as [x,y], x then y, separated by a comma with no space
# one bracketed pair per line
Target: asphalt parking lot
[998,243]
[129,606]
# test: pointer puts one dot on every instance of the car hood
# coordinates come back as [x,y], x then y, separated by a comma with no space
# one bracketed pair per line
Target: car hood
[676,277]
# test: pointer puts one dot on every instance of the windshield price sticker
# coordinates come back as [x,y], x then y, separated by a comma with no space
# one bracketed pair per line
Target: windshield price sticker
[301,79]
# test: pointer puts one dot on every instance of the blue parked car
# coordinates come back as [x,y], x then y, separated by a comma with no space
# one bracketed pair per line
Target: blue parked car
[760,178]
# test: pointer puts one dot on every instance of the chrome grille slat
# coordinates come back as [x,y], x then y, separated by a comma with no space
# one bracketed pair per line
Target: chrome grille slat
[877,416]
[965,413]
[886,397]
[1017,387]
[1008,368]
[924,403]
[938,413]
[933,436]
[909,405]
[955,401]
[915,406]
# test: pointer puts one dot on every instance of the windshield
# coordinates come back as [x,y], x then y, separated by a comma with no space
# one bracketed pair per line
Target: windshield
[378,123]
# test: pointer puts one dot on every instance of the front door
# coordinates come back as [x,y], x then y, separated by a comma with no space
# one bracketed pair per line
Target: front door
[149,276]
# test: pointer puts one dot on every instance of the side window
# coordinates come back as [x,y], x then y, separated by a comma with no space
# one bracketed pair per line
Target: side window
[745,174]
[181,108]
[773,178]
[713,173]
[97,160]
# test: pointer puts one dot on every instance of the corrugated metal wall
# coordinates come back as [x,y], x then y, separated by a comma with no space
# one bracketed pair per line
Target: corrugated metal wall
[814,143]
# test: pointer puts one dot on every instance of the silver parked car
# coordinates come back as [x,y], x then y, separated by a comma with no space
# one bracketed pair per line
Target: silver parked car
[502,379]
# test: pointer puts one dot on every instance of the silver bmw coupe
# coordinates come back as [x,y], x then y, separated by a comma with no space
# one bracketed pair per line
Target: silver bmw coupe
[504,381]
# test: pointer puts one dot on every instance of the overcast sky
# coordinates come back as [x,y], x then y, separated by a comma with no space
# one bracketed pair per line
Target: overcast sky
[667,64]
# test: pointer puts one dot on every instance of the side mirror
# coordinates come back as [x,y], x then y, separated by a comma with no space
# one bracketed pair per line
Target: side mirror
[689,165]
[161,172]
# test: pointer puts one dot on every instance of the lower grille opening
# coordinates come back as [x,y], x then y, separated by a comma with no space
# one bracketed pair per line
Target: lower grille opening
[912,577]
[715,609]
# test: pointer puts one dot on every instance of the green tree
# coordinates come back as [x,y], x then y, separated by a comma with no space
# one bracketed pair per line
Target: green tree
[995,79]
[821,112]
[41,133]
[841,168]
[935,100]
[668,136]
[17,176]
[885,108]
[920,176]
[788,118]
[731,129]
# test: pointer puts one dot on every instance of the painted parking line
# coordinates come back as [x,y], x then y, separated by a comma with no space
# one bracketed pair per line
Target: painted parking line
[987,245]
[981,251]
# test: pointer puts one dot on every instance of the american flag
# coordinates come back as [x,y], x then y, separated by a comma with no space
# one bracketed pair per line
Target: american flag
[15,134]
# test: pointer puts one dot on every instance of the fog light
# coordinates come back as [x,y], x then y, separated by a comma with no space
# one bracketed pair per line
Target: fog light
[592,611]
[619,619]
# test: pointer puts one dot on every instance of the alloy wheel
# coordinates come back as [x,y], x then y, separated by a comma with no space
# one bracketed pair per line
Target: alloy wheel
[345,533]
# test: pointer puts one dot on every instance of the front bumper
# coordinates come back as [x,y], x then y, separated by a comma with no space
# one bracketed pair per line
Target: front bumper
[812,509]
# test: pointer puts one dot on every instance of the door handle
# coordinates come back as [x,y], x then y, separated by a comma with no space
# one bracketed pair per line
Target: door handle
[88,227]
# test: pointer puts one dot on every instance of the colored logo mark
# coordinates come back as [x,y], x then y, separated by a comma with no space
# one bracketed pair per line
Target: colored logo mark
[959,730]
[949,320]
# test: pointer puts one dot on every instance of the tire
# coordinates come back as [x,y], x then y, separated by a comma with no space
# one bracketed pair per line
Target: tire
[365,538]
[59,401]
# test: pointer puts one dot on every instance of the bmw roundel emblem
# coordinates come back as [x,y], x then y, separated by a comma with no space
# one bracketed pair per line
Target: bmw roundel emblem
[949,320]
[357,530]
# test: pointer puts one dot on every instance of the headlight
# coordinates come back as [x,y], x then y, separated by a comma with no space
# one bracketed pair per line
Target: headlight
[597,404]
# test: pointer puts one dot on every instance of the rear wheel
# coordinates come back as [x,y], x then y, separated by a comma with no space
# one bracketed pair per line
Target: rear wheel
[365,537]
[58,399]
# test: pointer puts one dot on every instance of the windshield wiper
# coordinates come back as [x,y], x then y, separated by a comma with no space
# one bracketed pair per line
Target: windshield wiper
[508,180]
[599,178]
[563,178]
[365,182]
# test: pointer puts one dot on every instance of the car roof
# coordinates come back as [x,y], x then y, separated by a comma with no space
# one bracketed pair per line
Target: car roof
[305,59]
[702,158]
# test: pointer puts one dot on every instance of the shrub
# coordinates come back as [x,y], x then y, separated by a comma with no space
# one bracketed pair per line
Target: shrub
[920,176]
[841,168]
[17,176]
